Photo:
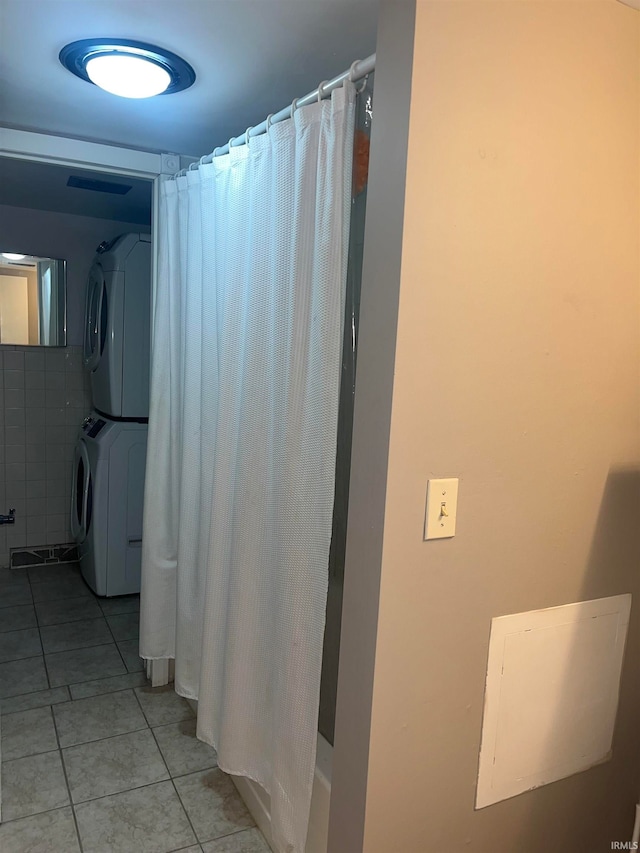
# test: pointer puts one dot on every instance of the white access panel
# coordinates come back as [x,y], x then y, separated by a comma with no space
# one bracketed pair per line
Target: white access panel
[551,696]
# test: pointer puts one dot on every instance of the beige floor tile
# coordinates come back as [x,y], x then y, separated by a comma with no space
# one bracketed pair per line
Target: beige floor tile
[63,588]
[84,664]
[107,685]
[214,806]
[16,645]
[22,676]
[98,717]
[27,733]
[129,650]
[14,594]
[63,571]
[246,841]
[75,635]
[34,700]
[71,610]
[162,705]
[32,785]
[113,765]
[145,820]
[125,626]
[124,604]
[51,832]
[181,749]
[16,618]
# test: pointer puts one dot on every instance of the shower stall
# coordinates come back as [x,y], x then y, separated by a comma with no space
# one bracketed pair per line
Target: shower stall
[158,649]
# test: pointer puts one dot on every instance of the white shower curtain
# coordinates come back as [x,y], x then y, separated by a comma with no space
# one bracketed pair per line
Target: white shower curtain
[242,439]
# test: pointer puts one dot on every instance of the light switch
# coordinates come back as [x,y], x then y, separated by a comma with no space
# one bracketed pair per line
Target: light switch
[442,507]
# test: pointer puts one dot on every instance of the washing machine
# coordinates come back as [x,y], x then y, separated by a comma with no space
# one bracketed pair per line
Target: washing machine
[106,503]
[117,326]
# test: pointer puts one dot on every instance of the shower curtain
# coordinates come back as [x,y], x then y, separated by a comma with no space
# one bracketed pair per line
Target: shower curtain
[242,440]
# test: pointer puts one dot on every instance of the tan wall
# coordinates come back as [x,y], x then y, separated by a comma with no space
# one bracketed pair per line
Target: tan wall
[32,292]
[516,370]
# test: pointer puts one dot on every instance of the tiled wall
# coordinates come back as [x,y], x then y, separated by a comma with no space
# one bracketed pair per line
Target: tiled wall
[45,396]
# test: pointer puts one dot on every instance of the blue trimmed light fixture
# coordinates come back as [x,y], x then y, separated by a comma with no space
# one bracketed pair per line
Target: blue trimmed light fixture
[130,69]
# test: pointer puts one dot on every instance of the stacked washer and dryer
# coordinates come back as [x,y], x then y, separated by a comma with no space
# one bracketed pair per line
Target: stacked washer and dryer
[109,462]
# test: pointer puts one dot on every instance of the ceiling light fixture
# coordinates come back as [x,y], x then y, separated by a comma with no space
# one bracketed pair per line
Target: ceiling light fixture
[130,69]
[11,256]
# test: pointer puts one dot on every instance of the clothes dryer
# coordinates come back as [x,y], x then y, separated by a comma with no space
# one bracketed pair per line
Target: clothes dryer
[106,503]
[117,326]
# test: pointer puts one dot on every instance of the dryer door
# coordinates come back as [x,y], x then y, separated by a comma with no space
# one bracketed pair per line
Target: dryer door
[105,364]
[93,317]
[80,493]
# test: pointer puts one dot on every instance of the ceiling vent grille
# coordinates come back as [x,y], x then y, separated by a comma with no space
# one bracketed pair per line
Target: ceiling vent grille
[97,186]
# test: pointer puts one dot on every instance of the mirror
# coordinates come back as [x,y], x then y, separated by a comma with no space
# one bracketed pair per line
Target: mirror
[32,300]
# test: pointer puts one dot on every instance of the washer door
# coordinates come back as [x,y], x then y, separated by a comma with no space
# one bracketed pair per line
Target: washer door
[80,493]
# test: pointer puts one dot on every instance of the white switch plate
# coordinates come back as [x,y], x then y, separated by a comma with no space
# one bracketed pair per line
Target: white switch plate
[442,508]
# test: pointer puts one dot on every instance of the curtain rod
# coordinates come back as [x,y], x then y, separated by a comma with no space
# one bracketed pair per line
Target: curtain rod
[359,69]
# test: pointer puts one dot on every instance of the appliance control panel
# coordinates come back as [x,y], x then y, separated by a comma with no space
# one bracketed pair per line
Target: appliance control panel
[92,426]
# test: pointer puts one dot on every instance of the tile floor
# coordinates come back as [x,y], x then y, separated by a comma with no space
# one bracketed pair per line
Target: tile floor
[93,758]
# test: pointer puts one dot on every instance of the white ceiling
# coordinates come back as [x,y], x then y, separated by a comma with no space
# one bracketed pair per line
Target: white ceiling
[251,57]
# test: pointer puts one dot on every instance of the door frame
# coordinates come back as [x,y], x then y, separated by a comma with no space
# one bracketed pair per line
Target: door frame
[114,160]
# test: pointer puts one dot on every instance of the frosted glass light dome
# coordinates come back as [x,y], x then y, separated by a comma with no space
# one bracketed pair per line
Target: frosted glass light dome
[129,69]
[128,76]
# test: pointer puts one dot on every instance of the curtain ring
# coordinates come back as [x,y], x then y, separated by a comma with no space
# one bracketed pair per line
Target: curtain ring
[230,142]
[352,71]
[215,153]
[365,80]
[269,122]
[294,106]
[246,135]
[320,88]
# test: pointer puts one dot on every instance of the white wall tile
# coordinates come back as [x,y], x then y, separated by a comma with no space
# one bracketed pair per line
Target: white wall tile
[34,379]
[54,359]
[14,417]
[36,506]
[34,360]
[35,397]
[55,488]
[35,452]
[55,417]
[36,489]
[14,361]
[35,434]
[14,435]
[13,378]
[15,453]
[36,526]
[13,398]
[36,471]
[44,397]
[35,417]
[14,471]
